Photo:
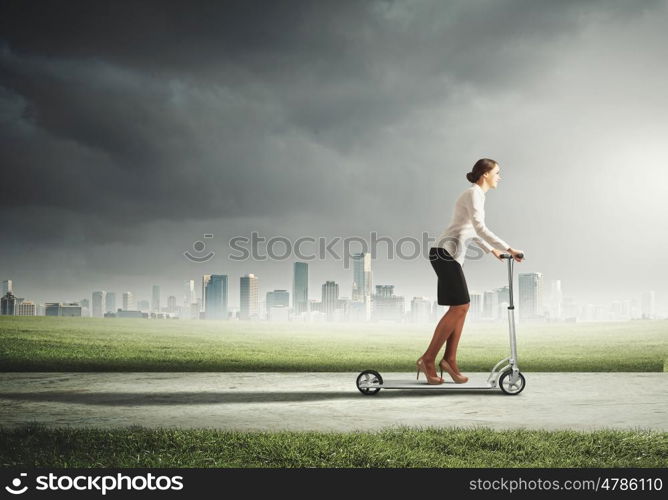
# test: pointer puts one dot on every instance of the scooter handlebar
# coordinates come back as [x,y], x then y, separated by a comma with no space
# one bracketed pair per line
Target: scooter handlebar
[508,256]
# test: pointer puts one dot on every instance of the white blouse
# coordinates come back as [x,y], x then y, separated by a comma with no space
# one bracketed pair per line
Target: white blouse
[468,225]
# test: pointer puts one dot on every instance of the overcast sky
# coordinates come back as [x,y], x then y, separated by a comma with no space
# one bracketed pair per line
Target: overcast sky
[129,130]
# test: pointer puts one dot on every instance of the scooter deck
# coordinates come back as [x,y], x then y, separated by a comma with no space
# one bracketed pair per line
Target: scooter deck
[421,384]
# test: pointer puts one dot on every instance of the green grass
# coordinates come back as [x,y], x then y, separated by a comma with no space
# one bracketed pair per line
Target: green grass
[87,344]
[38,446]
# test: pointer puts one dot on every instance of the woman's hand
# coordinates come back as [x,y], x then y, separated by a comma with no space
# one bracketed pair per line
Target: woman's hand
[516,254]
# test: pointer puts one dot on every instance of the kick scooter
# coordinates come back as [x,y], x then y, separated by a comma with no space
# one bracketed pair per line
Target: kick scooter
[505,375]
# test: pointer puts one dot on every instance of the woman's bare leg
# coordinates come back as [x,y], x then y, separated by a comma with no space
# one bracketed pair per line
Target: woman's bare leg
[453,341]
[446,326]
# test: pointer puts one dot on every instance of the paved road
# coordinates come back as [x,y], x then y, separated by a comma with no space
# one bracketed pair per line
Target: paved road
[328,402]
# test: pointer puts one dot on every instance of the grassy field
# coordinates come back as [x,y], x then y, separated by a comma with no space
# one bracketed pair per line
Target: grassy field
[87,344]
[138,447]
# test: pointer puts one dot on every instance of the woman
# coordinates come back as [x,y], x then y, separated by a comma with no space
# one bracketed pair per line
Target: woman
[447,259]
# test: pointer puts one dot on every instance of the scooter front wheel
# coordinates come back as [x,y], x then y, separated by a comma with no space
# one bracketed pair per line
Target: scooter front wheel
[369,382]
[508,386]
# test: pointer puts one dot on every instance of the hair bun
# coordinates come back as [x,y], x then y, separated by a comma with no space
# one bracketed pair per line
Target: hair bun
[471,177]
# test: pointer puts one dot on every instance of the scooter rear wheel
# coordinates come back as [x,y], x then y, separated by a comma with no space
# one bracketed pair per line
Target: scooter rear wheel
[369,378]
[508,387]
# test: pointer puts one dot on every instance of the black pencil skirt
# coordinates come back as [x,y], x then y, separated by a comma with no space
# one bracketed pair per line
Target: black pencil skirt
[452,288]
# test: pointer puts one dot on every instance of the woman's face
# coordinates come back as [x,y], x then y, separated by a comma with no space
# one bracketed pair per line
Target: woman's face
[493,177]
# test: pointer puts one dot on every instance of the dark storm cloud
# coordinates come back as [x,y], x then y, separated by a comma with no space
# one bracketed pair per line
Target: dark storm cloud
[118,114]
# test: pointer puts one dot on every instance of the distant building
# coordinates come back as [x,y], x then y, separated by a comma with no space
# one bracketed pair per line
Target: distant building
[99,300]
[386,305]
[569,309]
[129,301]
[620,310]
[155,298]
[476,307]
[502,302]
[300,288]
[420,310]
[278,298]
[216,297]
[330,298]
[195,310]
[361,276]
[357,311]
[531,295]
[171,304]
[7,286]
[278,304]
[85,307]
[556,301]
[189,297]
[8,304]
[205,281]
[26,308]
[110,302]
[131,314]
[62,309]
[490,306]
[144,305]
[249,299]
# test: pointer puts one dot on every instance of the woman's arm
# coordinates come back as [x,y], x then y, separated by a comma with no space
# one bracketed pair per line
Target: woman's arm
[477,214]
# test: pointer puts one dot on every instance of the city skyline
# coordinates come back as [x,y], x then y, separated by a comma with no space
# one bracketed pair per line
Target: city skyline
[532,297]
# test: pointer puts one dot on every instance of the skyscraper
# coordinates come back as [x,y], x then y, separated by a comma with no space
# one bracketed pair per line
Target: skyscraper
[99,299]
[155,298]
[128,301]
[188,292]
[189,298]
[205,282]
[7,286]
[171,304]
[330,298]
[216,296]
[531,295]
[110,302]
[361,276]
[300,288]
[249,300]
